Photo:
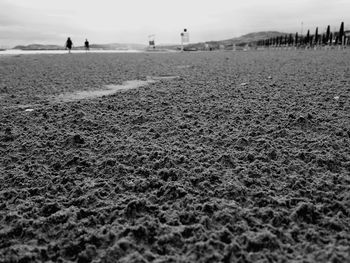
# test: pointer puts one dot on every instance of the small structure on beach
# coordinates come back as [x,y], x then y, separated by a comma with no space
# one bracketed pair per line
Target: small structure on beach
[185,38]
[151,41]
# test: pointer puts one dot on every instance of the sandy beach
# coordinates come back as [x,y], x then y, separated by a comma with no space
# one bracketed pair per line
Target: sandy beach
[223,157]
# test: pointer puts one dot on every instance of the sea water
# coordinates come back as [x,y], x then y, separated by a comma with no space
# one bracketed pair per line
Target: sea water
[31,52]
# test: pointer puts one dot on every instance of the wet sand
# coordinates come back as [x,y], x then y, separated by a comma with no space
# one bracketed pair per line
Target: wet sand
[243,157]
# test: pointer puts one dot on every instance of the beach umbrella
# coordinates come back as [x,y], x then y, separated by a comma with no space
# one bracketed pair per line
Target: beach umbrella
[341,33]
[330,38]
[316,36]
[328,33]
[290,40]
[307,39]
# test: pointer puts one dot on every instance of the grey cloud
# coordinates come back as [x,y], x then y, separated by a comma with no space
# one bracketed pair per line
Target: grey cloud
[20,25]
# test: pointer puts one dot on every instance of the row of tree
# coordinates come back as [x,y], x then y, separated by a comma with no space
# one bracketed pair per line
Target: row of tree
[308,40]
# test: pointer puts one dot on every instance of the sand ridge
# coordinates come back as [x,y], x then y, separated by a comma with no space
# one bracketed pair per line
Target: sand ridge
[110,89]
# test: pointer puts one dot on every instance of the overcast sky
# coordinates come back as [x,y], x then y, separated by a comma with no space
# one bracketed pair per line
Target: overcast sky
[131,21]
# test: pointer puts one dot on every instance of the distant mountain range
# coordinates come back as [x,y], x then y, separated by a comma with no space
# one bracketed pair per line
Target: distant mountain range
[228,43]
[114,46]
[252,37]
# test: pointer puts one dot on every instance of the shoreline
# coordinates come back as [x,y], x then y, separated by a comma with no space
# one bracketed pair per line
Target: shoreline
[8,52]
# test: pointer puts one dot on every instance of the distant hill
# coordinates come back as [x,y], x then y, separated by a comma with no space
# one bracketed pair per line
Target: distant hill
[118,46]
[228,43]
[251,37]
[114,46]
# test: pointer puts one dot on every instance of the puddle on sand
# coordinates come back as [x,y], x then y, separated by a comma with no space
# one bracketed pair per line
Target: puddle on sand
[111,89]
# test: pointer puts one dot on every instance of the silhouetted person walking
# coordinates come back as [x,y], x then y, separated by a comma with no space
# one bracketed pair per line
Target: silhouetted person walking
[87,45]
[69,44]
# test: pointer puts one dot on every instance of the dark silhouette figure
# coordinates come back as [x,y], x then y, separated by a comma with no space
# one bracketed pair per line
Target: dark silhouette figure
[69,44]
[87,45]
